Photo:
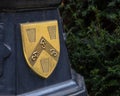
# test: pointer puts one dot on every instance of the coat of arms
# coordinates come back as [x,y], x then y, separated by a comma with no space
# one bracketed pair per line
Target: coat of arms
[41,46]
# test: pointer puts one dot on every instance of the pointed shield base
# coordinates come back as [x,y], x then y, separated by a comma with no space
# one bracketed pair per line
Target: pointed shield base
[41,46]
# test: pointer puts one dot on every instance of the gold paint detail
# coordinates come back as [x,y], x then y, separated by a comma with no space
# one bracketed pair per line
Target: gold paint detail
[53,52]
[41,46]
[45,65]
[34,56]
[43,43]
[50,49]
[31,33]
[52,31]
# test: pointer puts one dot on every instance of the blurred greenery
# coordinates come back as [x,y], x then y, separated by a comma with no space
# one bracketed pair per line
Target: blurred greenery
[93,40]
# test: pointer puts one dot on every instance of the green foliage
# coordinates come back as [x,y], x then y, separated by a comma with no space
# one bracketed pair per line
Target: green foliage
[93,41]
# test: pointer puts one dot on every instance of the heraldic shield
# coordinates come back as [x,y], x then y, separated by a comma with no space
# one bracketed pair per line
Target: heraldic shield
[41,46]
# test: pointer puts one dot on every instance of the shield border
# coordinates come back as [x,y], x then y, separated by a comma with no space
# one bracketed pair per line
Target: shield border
[26,57]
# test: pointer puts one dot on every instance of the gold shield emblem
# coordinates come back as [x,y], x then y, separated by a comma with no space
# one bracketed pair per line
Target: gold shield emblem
[41,46]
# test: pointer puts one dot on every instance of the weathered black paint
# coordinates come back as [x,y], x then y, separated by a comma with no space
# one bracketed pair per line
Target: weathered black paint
[15,75]
[20,77]
[27,4]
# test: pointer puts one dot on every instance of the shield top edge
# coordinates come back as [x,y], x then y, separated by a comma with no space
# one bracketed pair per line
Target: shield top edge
[42,70]
[48,21]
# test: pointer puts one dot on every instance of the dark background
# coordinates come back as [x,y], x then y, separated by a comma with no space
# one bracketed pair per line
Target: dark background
[93,40]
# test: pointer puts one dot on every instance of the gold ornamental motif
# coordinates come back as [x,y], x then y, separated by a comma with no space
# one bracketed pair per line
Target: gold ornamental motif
[41,46]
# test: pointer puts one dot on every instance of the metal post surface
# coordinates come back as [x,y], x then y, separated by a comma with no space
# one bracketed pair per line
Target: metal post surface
[17,77]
